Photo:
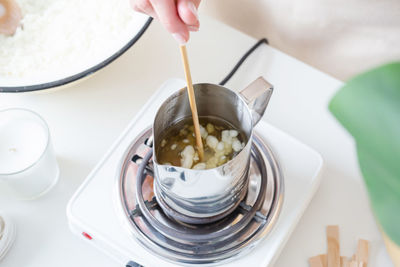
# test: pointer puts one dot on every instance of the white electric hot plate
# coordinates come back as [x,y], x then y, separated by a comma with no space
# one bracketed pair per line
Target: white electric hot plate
[95,211]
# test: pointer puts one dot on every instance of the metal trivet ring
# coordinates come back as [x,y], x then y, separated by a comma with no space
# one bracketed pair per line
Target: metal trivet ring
[186,234]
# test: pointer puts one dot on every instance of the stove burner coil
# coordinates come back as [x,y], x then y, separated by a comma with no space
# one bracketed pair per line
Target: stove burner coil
[210,243]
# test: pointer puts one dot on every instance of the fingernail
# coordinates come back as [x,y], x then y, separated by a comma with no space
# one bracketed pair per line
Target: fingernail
[193,28]
[179,38]
[193,8]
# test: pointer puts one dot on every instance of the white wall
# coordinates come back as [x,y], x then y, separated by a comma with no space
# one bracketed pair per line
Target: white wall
[340,37]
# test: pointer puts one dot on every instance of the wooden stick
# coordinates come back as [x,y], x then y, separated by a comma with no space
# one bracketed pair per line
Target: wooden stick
[362,252]
[353,263]
[317,261]
[332,234]
[344,262]
[324,260]
[192,101]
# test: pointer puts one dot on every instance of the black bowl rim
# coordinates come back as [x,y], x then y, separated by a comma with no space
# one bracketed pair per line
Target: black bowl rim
[75,77]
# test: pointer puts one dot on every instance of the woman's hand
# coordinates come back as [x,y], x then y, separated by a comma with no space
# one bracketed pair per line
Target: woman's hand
[178,16]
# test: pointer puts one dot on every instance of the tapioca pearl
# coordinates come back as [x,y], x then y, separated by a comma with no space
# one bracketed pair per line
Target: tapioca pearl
[236,145]
[210,128]
[163,143]
[203,132]
[187,157]
[212,141]
[199,166]
[188,150]
[187,162]
[220,146]
[226,137]
[233,133]
[227,148]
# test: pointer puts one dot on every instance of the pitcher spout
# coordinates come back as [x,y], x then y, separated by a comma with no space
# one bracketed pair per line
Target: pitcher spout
[257,96]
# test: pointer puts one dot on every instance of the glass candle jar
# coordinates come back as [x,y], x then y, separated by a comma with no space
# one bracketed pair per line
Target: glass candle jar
[27,161]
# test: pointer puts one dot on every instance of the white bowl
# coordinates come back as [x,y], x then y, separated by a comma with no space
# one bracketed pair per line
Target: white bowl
[68,76]
[7,235]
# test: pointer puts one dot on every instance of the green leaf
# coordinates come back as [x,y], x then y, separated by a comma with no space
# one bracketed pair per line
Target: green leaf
[368,106]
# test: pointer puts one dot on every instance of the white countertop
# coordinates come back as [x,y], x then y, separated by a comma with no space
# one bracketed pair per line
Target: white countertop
[86,118]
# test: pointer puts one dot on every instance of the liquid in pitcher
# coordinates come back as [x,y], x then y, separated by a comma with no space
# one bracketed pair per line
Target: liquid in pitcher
[221,141]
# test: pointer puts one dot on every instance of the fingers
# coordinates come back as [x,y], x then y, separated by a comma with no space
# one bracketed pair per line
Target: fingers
[168,15]
[143,6]
[177,16]
[187,11]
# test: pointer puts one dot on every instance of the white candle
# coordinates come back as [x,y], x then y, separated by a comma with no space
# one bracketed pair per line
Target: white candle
[22,143]
[27,161]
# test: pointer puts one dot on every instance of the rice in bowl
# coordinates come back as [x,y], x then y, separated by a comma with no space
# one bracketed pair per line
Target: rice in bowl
[60,38]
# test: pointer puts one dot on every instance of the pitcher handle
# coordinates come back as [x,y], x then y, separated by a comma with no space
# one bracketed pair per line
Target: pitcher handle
[257,95]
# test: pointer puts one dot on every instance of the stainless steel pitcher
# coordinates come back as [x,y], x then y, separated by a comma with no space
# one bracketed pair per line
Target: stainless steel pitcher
[202,196]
